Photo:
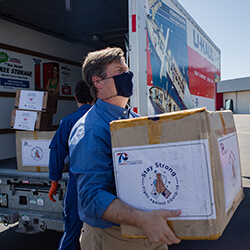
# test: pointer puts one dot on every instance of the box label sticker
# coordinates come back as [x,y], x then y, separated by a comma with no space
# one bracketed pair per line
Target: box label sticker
[32,201]
[25,217]
[25,120]
[167,176]
[40,202]
[3,200]
[35,152]
[31,100]
[230,162]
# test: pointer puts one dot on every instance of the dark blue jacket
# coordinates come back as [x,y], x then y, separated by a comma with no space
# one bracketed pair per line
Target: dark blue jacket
[59,149]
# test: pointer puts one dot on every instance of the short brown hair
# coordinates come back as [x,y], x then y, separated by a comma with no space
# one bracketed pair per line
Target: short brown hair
[96,64]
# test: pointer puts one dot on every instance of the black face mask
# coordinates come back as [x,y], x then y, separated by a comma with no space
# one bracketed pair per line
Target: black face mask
[124,84]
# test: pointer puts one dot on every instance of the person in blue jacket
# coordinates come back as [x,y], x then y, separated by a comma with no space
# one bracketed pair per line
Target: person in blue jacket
[58,153]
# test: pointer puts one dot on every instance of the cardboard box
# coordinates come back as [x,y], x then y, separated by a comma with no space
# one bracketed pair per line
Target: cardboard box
[31,120]
[36,100]
[32,150]
[186,160]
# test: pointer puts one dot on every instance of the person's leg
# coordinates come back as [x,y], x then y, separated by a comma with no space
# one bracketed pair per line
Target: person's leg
[91,238]
[111,239]
[72,222]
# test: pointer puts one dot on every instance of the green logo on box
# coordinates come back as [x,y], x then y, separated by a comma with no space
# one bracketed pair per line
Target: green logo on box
[3,57]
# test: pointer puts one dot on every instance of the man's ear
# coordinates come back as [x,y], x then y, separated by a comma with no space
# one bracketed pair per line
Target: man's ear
[97,82]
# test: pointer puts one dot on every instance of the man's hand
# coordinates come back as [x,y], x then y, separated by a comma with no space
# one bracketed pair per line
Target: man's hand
[53,190]
[154,225]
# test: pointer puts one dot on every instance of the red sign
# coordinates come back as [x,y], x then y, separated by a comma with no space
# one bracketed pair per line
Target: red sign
[66,90]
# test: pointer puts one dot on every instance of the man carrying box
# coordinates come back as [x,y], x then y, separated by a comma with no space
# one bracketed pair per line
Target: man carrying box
[107,74]
[58,152]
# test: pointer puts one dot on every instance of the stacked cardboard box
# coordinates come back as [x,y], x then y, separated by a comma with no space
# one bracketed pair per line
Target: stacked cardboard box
[26,100]
[187,160]
[32,150]
[33,110]
[32,118]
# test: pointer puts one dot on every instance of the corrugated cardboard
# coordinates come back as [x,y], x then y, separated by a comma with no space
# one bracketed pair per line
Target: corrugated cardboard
[187,160]
[49,103]
[26,140]
[43,121]
[33,143]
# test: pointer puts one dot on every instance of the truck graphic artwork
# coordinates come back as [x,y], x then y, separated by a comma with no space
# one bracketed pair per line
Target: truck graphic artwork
[182,63]
[170,90]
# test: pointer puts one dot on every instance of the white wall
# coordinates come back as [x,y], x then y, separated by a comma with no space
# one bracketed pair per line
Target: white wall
[241,101]
[7,146]
[6,104]
[19,36]
[7,141]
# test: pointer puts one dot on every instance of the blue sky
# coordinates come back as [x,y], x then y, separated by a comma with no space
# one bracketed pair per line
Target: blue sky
[227,23]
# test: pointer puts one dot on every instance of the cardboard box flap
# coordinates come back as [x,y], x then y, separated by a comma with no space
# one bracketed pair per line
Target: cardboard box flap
[139,121]
[153,128]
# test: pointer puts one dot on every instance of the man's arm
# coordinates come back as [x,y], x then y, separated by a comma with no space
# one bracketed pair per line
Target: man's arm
[58,152]
[153,223]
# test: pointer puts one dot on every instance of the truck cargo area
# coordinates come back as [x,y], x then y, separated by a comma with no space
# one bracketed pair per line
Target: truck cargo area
[74,21]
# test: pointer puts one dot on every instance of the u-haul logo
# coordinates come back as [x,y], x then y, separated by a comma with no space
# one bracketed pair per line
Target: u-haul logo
[202,45]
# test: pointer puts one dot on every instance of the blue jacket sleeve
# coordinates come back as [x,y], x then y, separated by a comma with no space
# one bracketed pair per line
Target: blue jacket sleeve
[59,150]
[91,163]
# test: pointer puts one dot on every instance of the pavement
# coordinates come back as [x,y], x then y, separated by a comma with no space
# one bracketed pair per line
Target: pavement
[236,235]
[9,239]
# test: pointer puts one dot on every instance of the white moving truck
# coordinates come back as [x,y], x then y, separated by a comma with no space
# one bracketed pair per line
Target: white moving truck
[175,64]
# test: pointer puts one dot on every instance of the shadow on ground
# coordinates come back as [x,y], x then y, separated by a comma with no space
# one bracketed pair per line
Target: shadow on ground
[236,235]
[48,240]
